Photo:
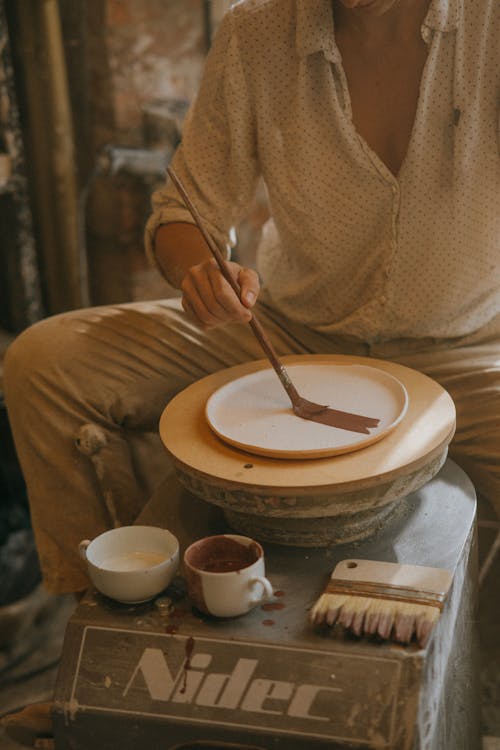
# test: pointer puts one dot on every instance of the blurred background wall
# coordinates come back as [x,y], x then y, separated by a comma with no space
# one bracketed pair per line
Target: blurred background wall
[93,95]
[92,98]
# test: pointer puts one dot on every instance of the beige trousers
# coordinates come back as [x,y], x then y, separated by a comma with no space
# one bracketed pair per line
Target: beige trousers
[91,384]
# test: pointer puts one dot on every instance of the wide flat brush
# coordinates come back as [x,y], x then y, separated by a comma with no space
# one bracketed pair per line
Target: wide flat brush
[395,602]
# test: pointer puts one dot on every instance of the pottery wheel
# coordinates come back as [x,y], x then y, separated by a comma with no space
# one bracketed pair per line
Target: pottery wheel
[309,502]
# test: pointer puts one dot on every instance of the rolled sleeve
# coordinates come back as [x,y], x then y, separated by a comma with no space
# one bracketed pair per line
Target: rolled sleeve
[216,160]
[167,209]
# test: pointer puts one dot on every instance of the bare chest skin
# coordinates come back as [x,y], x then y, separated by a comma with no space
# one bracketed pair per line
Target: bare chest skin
[384,85]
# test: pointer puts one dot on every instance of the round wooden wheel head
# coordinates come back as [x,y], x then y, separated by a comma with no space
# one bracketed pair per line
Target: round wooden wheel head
[311,502]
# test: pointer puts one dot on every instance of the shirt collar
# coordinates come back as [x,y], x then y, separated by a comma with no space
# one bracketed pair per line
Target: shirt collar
[443,15]
[315,27]
[314,31]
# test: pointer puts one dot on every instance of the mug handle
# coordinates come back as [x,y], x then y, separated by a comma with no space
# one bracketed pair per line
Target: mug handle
[82,548]
[267,589]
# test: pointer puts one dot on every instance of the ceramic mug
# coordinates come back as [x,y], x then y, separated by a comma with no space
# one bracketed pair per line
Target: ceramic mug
[131,564]
[225,575]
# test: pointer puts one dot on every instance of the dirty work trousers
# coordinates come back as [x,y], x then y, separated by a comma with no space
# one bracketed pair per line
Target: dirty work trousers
[85,390]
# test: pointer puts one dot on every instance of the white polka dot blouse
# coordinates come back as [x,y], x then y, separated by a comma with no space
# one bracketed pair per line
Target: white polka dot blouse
[352,248]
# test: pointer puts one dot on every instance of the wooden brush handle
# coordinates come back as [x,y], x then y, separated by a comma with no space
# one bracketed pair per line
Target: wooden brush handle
[254,323]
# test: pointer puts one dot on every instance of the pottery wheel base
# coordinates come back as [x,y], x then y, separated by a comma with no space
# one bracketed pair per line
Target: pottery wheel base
[311,532]
[310,520]
[310,502]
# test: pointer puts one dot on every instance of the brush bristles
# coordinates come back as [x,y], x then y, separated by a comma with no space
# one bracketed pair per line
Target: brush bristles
[363,615]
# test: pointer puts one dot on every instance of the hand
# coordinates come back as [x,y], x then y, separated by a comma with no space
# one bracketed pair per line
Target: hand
[210,301]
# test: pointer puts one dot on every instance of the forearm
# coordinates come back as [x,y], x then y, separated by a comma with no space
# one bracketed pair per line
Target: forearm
[186,262]
[178,247]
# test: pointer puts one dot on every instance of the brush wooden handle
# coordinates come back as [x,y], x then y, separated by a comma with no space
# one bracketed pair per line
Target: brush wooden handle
[396,575]
[254,323]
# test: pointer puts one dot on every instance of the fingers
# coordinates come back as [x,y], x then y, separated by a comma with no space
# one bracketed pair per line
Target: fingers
[248,280]
[209,299]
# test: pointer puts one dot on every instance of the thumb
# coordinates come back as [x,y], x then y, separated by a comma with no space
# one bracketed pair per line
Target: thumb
[248,280]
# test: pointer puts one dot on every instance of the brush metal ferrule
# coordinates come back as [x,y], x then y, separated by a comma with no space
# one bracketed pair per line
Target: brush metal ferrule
[385,591]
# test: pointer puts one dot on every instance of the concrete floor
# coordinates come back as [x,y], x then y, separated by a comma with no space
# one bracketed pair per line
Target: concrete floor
[33,679]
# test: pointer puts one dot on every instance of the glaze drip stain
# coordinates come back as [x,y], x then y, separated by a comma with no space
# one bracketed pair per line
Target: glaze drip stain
[270,606]
[189,647]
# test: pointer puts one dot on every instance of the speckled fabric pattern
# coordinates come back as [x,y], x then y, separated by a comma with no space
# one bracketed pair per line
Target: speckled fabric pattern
[352,248]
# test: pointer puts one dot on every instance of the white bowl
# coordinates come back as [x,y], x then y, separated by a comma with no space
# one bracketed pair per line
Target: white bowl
[131,564]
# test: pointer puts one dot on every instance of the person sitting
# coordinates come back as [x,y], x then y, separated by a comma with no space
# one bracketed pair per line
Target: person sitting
[374,125]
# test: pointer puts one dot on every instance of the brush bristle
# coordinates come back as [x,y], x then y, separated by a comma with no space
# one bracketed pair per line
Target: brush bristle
[389,619]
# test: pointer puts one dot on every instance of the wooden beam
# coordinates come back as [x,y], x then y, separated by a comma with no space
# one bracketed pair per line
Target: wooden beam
[50,147]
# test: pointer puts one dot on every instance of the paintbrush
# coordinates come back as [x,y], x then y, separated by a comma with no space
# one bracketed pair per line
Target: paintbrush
[395,602]
[301,406]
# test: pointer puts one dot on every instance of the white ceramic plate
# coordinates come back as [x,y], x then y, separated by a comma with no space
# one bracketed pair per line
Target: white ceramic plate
[254,412]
